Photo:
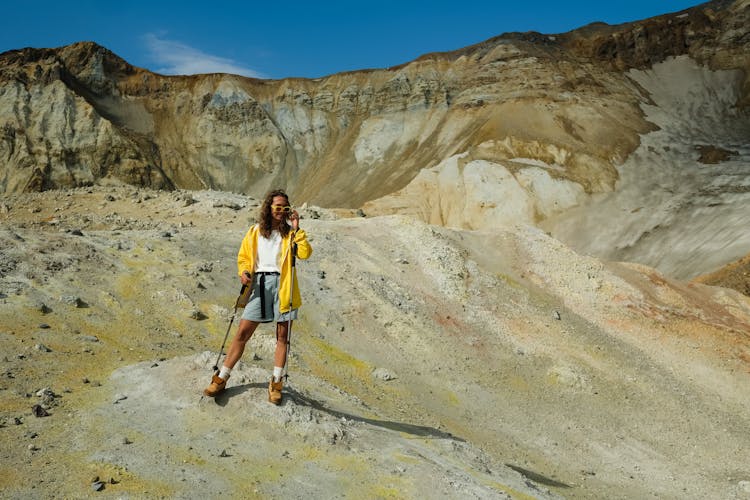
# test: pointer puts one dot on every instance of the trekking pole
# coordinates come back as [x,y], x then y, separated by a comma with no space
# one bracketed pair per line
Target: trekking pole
[215,368]
[289,321]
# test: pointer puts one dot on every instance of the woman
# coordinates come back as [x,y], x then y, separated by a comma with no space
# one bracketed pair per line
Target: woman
[264,263]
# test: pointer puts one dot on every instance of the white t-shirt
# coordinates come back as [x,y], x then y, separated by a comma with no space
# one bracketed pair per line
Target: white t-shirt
[268,253]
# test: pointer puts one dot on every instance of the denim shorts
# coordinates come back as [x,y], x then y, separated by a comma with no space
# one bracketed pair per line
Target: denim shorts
[266,294]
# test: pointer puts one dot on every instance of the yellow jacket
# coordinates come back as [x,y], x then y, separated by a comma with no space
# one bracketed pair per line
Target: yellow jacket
[249,251]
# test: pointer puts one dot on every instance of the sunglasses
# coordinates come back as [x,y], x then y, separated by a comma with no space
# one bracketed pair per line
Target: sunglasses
[279,208]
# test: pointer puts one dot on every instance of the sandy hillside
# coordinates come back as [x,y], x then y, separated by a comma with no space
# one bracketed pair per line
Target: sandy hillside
[680,203]
[674,207]
[428,361]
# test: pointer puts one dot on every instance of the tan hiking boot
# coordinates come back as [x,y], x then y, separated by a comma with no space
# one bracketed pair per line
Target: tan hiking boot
[274,391]
[217,385]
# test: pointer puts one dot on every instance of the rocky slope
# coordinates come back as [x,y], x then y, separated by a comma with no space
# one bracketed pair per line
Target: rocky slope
[670,195]
[509,320]
[480,364]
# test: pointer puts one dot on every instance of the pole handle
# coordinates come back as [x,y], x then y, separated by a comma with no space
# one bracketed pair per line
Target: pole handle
[241,299]
[293,248]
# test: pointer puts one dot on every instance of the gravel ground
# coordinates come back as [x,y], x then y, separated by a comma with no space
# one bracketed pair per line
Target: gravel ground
[427,362]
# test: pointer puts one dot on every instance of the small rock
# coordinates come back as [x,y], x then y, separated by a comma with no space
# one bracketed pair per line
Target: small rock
[556,315]
[125,440]
[224,454]
[97,486]
[33,447]
[383,374]
[119,397]
[42,348]
[712,155]
[46,392]
[230,205]
[74,301]
[89,338]
[197,315]
[39,411]
[44,309]
[44,326]
[206,267]
[76,232]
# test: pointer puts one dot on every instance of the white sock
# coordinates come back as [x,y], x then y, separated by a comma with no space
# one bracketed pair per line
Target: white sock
[224,372]
[277,373]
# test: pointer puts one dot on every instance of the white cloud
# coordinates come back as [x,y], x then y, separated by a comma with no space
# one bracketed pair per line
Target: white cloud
[176,58]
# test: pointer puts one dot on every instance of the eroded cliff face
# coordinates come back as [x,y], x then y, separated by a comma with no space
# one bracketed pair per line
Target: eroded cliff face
[64,125]
[79,114]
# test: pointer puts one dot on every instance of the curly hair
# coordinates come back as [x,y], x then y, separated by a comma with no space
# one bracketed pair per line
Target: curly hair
[265,219]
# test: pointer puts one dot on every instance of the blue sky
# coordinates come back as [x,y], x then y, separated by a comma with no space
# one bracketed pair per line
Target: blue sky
[306,39]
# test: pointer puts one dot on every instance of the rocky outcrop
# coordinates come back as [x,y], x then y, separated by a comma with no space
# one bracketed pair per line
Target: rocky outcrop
[64,127]
[735,275]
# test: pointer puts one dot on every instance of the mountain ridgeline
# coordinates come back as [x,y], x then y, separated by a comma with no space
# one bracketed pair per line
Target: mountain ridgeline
[78,114]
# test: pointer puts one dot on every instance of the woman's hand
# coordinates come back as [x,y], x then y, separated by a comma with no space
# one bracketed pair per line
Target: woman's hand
[246,278]
[294,219]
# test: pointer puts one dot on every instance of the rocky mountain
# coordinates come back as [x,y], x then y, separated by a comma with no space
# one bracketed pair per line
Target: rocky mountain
[523,126]
[497,305]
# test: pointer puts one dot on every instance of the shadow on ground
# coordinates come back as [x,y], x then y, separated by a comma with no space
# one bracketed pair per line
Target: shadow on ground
[303,400]
[414,430]
[223,398]
[537,478]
